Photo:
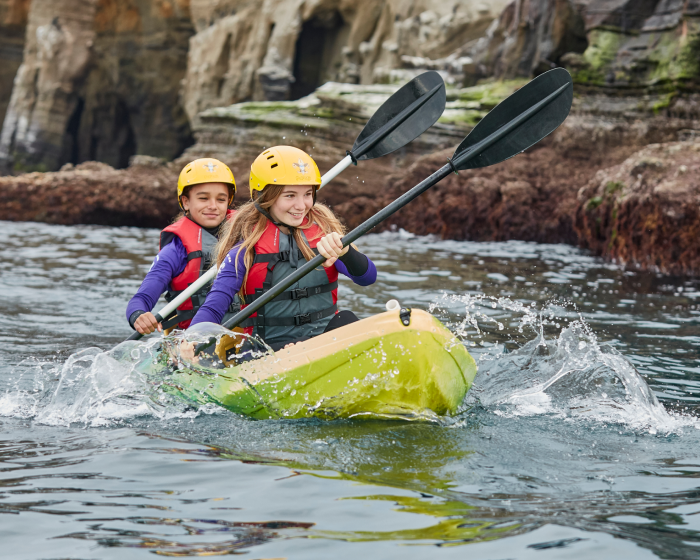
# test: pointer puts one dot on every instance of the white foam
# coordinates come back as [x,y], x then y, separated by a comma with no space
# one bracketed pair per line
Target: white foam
[571,375]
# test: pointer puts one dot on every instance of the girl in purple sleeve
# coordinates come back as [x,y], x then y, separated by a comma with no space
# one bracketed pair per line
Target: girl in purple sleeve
[280,229]
[205,189]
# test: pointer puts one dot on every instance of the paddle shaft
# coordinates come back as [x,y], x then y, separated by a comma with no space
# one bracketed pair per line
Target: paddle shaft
[396,205]
[167,309]
[335,171]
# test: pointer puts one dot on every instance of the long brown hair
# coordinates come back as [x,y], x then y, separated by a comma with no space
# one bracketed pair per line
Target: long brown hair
[248,225]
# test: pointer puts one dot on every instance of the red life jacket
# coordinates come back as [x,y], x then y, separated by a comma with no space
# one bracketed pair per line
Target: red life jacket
[306,307]
[190,234]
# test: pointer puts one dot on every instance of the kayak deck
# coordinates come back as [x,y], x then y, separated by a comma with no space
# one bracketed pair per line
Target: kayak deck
[376,367]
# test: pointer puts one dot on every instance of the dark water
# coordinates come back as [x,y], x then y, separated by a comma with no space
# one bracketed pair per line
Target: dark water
[579,438]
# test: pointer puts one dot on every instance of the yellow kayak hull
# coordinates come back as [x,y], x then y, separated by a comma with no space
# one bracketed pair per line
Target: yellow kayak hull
[374,368]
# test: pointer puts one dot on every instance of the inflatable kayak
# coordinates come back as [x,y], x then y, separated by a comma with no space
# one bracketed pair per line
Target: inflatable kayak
[399,364]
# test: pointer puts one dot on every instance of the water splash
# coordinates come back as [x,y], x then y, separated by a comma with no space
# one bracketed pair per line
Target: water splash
[531,362]
[563,371]
[95,388]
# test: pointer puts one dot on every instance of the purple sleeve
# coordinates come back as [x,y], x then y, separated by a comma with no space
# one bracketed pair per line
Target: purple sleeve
[369,277]
[168,264]
[227,283]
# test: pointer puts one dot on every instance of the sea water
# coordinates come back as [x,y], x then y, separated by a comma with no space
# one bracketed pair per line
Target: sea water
[580,436]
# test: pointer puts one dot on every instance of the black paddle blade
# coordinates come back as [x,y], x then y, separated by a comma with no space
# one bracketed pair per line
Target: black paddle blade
[520,121]
[403,117]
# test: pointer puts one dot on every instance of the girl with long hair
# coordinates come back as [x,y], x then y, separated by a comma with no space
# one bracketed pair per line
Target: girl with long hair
[280,229]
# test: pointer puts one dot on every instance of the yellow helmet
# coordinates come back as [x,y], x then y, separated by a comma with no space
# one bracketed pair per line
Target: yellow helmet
[283,165]
[205,170]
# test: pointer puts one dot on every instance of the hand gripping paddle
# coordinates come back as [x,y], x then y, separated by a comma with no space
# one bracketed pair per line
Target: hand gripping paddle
[517,123]
[403,117]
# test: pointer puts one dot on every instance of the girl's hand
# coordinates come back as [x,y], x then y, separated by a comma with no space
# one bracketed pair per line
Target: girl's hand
[331,247]
[187,351]
[146,324]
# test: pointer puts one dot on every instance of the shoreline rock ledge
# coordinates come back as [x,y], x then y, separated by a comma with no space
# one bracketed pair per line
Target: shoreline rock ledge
[594,183]
[645,211]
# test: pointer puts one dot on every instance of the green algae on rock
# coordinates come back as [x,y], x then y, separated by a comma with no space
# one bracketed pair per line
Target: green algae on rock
[335,103]
[327,121]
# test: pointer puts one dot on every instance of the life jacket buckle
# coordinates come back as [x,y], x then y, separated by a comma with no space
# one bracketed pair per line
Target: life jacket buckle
[299,293]
[302,319]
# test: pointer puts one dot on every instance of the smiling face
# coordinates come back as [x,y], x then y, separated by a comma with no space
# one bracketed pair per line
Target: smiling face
[293,204]
[206,204]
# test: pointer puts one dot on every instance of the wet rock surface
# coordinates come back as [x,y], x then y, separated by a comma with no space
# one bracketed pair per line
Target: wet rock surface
[645,212]
[93,193]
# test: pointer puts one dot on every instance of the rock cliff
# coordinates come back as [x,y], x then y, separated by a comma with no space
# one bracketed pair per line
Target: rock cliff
[13,23]
[99,80]
[284,49]
[606,43]
[107,79]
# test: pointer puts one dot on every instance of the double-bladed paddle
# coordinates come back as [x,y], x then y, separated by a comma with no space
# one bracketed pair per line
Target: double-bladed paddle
[407,114]
[517,123]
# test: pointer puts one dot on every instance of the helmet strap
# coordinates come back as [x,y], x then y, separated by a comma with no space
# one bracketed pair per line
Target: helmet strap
[269,217]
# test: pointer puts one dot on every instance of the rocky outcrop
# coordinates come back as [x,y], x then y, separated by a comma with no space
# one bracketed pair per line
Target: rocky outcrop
[44,97]
[530,197]
[530,38]
[13,23]
[645,212]
[107,79]
[99,80]
[641,44]
[605,43]
[326,124]
[94,193]
[284,49]
[638,207]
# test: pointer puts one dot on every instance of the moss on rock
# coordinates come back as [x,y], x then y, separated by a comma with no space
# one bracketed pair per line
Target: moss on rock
[645,58]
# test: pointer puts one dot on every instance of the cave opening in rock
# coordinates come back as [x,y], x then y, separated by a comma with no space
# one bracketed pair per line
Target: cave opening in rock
[317,55]
[222,65]
[71,146]
[125,138]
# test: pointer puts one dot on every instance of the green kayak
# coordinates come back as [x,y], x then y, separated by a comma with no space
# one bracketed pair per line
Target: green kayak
[374,368]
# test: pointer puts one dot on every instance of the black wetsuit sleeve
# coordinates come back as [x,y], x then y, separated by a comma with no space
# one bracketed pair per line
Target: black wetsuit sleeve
[135,315]
[357,263]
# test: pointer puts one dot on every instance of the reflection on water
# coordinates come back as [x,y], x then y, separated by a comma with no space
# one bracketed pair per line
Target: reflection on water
[579,436]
